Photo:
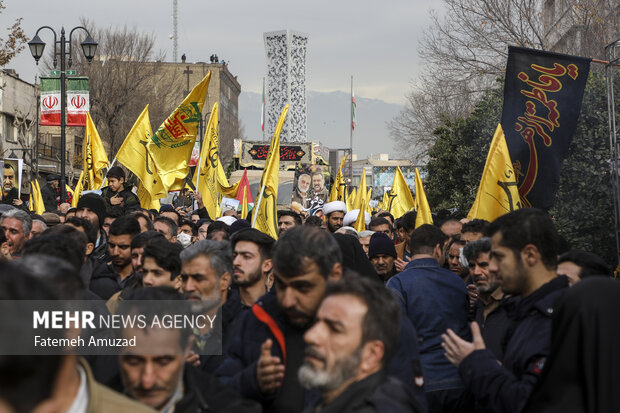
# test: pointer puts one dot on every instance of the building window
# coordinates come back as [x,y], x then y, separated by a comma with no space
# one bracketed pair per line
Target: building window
[9,129]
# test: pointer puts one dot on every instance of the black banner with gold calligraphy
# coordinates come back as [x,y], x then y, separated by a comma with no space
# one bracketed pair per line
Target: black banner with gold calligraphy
[542,102]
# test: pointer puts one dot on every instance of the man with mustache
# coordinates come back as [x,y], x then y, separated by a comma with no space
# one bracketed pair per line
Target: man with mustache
[154,371]
[263,359]
[116,273]
[489,311]
[206,273]
[349,347]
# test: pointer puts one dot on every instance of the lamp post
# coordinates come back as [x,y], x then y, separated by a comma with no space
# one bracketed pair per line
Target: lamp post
[89,47]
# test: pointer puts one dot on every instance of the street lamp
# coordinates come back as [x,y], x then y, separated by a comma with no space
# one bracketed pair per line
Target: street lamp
[89,47]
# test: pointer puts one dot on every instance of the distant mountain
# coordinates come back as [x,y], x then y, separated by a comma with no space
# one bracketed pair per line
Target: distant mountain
[329,115]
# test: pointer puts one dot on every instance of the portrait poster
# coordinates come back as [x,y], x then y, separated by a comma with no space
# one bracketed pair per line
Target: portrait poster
[12,175]
[310,187]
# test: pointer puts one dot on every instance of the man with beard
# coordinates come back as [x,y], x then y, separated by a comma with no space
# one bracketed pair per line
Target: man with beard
[263,359]
[524,257]
[349,347]
[489,311]
[92,207]
[301,194]
[117,273]
[206,272]
[251,264]
[334,214]
[10,194]
[318,187]
[287,220]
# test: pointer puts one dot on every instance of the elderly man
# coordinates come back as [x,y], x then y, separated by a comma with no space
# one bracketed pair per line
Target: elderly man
[364,239]
[16,225]
[333,213]
[349,347]
[382,255]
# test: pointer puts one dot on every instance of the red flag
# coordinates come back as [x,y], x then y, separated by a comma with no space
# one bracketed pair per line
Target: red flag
[243,184]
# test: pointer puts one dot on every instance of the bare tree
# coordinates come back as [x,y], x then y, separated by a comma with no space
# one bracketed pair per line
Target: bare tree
[465,52]
[15,41]
[126,74]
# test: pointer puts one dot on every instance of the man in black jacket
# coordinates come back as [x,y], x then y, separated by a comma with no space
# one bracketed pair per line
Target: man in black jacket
[523,255]
[118,198]
[349,347]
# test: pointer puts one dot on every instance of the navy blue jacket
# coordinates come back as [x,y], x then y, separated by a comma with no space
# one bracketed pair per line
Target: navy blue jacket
[504,388]
[238,370]
[434,299]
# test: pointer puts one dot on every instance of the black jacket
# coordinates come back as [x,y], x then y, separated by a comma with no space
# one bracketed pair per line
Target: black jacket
[376,393]
[495,326]
[203,393]
[49,198]
[103,281]
[504,388]
[230,313]
[129,204]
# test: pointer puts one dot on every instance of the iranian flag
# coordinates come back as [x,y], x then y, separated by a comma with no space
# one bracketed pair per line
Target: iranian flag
[50,101]
[77,101]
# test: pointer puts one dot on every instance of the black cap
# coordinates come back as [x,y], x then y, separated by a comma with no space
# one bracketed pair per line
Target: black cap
[95,203]
[52,178]
[380,243]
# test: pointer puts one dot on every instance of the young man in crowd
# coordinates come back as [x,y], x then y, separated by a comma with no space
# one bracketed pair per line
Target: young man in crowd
[433,297]
[287,220]
[167,227]
[523,255]
[161,264]
[252,264]
[116,273]
[117,197]
[333,213]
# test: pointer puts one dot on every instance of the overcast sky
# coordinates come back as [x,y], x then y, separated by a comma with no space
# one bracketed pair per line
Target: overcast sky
[375,42]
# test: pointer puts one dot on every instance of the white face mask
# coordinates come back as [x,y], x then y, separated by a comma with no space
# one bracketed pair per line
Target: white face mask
[184,239]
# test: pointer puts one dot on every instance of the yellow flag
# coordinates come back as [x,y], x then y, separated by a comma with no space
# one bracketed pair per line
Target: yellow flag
[265,216]
[350,199]
[146,201]
[357,201]
[94,157]
[497,193]
[360,222]
[39,206]
[244,205]
[368,198]
[212,183]
[399,198]
[135,156]
[424,210]
[78,190]
[171,145]
[337,192]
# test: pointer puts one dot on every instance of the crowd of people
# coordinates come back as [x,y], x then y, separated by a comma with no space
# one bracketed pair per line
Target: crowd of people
[459,316]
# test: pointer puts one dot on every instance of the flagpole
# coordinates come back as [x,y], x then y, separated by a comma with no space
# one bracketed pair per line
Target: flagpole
[262,115]
[105,178]
[351,137]
[260,198]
